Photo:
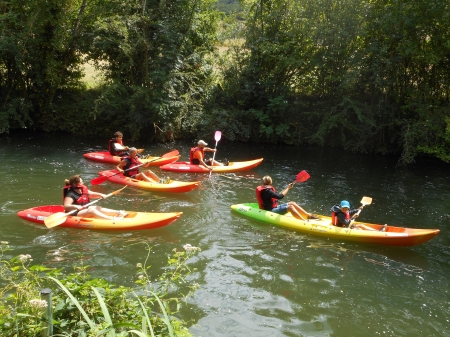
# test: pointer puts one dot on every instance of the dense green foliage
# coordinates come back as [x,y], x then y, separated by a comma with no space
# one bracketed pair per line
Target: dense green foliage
[87,306]
[371,75]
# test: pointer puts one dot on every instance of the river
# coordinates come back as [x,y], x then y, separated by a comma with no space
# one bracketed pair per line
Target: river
[255,279]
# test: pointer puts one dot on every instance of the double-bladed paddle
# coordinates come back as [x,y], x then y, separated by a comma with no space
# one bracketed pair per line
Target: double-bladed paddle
[364,201]
[102,179]
[217,137]
[60,217]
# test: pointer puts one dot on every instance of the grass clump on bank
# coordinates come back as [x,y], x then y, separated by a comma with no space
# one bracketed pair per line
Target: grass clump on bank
[87,306]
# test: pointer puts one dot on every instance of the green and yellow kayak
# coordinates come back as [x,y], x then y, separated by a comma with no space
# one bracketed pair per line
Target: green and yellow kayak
[393,236]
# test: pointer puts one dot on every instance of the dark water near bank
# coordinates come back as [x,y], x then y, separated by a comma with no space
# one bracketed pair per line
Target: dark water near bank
[255,280]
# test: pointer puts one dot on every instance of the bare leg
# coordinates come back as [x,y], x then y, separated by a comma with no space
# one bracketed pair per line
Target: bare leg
[294,210]
[144,177]
[303,215]
[94,212]
[151,175]
[364,227]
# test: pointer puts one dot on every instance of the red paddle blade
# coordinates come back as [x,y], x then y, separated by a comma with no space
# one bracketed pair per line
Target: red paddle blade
[302,176]
[217,136]
[170,154]
[99,180]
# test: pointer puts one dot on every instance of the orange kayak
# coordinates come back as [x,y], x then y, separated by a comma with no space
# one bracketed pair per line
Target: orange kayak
[106,157]
[393,236]
[172,186]
[133,221]
[232,167]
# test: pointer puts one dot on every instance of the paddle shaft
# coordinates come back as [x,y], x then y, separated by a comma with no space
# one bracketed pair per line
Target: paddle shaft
[217,137]
[364,201]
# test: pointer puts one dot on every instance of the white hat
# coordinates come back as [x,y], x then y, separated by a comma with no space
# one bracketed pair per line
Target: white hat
[202,142]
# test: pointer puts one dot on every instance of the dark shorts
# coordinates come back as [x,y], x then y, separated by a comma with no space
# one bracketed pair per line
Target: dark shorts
[280,209]
[197,162]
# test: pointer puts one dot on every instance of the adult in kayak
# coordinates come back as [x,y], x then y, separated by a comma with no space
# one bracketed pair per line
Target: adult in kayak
[128,167]
[197,156]
[76,195]
[342,216]
[268,198]
[116,147]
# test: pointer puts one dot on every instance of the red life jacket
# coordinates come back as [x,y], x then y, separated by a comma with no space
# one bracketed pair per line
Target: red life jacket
[191,155]
[112,149]
[84,197]
[131,162]
[259,189]
[335,220]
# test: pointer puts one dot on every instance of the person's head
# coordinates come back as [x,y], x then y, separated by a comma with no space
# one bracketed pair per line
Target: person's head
[201,144]
[74,181]
[267,180]
[118,134]
[344,205]
[133,151]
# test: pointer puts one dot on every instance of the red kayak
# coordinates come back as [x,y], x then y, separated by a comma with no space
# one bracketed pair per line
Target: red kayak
[106,157]
[172,186]
[132,221]
[231,167]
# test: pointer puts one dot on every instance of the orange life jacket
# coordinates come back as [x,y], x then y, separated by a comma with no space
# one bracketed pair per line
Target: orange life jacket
[335,220]
[84,197]
[259,189]
[191,155]
[131,162]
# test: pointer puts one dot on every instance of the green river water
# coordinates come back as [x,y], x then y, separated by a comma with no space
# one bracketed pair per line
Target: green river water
[255,279]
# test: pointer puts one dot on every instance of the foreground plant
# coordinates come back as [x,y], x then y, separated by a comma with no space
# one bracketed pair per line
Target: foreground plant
[87,306]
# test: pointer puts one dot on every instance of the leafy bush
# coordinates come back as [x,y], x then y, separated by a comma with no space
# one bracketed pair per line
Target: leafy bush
[87,306]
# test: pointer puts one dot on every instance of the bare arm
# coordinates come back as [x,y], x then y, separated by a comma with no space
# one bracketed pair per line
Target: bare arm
[69,206]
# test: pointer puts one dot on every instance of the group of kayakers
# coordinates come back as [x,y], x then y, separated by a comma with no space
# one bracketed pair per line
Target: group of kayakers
[76,195]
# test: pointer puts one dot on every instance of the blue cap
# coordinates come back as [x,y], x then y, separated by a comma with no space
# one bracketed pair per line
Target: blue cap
[345,203]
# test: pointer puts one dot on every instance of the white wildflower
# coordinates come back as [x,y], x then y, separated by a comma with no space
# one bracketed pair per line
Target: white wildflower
[38,303]
[24,258]
[140,277]
[187,247]
[4,242]
[139,265]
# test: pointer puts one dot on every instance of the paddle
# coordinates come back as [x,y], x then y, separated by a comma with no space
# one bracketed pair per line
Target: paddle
[301,177]
[171,154]
[60,217]
[364,201]
[102,179]
[217,137]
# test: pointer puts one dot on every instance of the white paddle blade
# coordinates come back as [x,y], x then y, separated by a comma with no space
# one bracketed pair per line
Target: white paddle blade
[217,136]
[366,201]
[55,219]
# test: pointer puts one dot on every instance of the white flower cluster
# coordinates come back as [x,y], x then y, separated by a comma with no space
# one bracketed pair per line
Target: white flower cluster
[24,258]
[38,303]
[187,247]
[4,242]
[139,265]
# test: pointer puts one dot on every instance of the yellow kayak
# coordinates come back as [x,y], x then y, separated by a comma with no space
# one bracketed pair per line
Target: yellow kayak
[133,221]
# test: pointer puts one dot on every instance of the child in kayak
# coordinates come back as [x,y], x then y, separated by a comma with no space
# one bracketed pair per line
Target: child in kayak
[129,166]
[343,216]
[116,147]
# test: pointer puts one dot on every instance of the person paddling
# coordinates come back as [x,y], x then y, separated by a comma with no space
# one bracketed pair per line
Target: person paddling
[268,198]
[343,216]
[116,147]
[76,195]
[128,167]
[197,156]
